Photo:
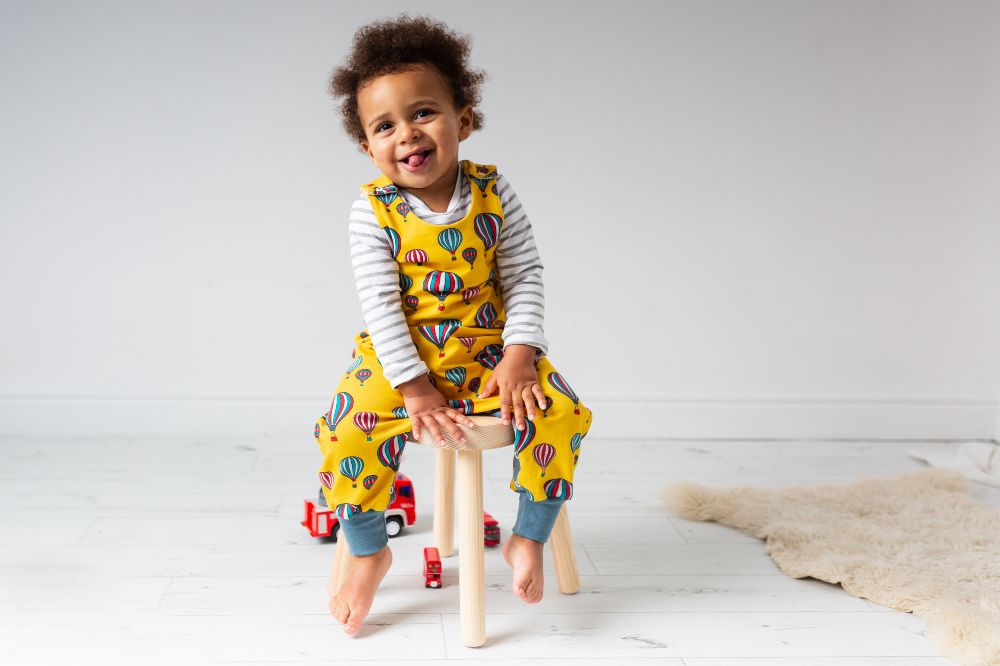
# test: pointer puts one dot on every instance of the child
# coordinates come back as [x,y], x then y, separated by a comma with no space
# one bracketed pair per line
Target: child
[450,286]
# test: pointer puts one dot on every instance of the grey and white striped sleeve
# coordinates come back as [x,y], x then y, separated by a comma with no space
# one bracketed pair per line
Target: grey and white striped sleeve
[376,277]
[520,270]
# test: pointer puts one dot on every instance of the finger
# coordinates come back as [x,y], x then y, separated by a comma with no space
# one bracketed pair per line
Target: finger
[487,387]
[539,396]
[460,417]
[505,407]
[529,405]
[431,424]
[518,405]
[443,419]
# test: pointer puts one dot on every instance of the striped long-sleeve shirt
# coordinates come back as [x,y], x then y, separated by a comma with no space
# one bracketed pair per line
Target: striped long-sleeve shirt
[376,275]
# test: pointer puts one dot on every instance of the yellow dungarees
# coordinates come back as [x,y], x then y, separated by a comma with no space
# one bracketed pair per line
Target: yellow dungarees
[454,308]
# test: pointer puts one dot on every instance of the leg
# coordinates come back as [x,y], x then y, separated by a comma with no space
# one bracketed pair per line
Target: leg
[523,550]
[564,558]
[444,502]
[364,533]
[471,567]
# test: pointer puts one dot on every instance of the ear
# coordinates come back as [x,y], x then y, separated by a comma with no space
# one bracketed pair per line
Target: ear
[465,122]
[365,146]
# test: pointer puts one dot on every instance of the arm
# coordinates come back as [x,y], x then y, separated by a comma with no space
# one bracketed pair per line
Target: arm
[376,276]
[520,270]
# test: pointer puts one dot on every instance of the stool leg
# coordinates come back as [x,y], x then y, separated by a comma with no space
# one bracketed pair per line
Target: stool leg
[341,563]
[471,567]
[563,555]
[444,502]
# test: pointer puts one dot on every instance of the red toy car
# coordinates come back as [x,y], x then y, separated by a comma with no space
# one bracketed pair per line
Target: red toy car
[323,521]
[491,530]
[432,568]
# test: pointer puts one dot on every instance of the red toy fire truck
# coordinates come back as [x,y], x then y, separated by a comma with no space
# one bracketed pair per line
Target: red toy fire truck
[323,521]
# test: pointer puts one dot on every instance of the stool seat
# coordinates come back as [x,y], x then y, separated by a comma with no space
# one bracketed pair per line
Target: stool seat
[489,432]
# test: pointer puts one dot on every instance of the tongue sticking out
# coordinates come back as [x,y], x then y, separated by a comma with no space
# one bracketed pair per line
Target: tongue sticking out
[416,160]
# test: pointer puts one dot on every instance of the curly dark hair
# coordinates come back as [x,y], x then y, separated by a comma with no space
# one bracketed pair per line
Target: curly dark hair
[395,44]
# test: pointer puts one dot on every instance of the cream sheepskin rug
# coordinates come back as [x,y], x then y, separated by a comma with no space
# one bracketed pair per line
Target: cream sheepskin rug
[915,542]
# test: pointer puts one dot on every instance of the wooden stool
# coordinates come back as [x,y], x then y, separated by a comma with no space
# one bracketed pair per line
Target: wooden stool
[490,432]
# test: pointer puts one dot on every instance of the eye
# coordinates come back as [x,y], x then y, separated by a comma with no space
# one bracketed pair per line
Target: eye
[427,110]
[380,126]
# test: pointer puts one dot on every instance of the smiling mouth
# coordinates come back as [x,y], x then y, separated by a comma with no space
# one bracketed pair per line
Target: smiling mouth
[416,159]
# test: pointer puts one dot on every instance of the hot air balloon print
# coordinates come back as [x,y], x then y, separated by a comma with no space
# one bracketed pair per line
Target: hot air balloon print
[490,356]
[474,385]
[369,481]
[386,194]
[316,430]
[468,343]
[438,334]
[339,408]
[465,406]
[416,256]
[345,511]
[560,384]
[354,364]
[400,412]
[411,302]
[483,181]
[543,455]
[486,315]
[326,478]
[548,405]
[393,240]
[558,489]
[450,239]
[366,422]
[456,376]
[442,283]
[470,254]
[362,375]
[469,293]
[350,467]
[574,446]
[405,282]
[403,209]
[522,438]
[487,226]
[493,189]
[390,450]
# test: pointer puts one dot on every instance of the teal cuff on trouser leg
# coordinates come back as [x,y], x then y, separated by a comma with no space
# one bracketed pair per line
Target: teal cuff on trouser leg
[535,520]
[365,532]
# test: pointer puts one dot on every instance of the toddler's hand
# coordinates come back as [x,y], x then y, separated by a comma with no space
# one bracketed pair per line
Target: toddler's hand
[428,408]
[517,380]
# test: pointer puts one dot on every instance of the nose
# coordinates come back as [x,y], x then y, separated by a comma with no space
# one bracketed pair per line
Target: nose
[409,132]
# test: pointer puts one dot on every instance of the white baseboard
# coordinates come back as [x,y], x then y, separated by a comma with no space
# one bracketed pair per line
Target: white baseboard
[685,416]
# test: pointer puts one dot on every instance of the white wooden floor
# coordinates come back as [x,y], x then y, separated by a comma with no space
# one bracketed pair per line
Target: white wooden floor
[171,551]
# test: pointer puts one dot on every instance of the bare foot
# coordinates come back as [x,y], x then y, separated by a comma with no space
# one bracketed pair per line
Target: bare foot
[525,558]
[350,605]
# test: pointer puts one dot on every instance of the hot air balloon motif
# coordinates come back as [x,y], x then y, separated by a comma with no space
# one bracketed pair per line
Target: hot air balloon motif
[369,481]
[492,280]
[400,412]
[411,302]
[467,343]
[469,293]
[558,489]
[543,455]
[465,406]
[326,478]
[548,405]
[493,189]
[523,437]
[431,379]
[486,315]
[490,356]
[417,257]
[339,408]
[362,375]
[470,254]
[405,282]
[483,181]
[561,385]
[403,209]
[386,194]
[393,240]
[345,511]
[456,376]
[366,422]
[450,239]
[316,430]
[354,364]
[390,450]
[442,283]
[438,334]
[487,227]
[474,385]
[574,446]
[350,467]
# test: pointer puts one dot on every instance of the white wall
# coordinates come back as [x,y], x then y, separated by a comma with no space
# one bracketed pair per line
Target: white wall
[756,218]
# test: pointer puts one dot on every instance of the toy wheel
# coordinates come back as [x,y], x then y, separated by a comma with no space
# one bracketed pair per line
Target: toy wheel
[335,532]
[393,526]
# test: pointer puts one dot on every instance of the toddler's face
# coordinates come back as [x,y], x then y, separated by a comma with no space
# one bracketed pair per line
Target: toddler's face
[412,111]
